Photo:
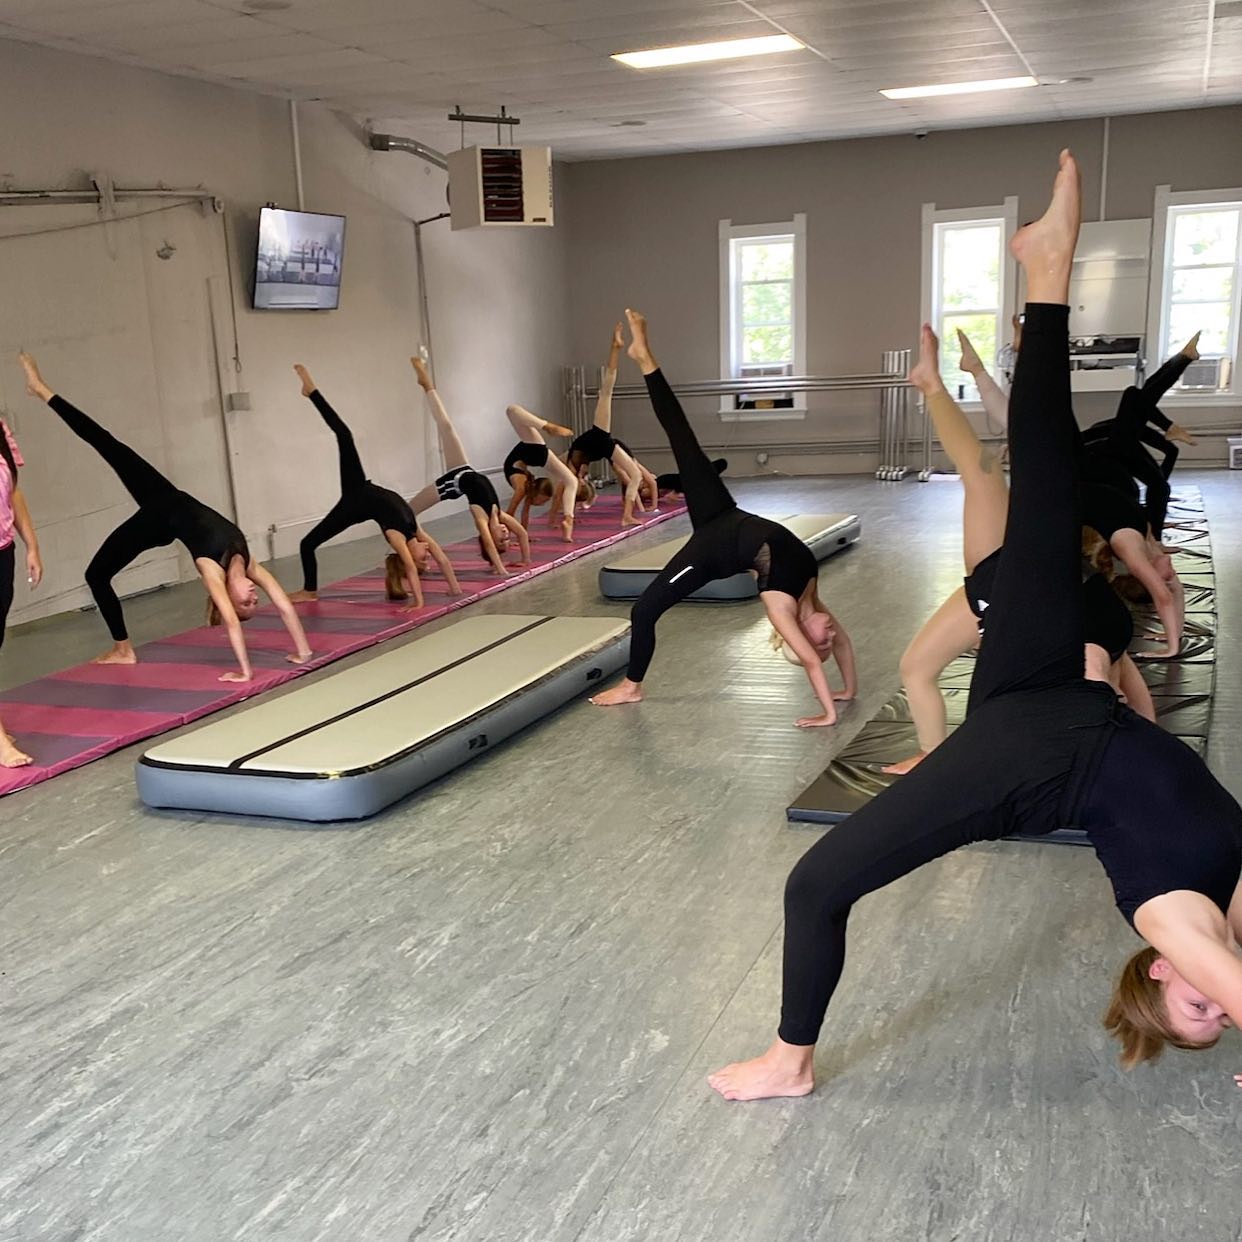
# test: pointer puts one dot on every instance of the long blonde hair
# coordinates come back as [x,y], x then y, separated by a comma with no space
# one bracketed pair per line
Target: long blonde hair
[1137,1016]
[394,578]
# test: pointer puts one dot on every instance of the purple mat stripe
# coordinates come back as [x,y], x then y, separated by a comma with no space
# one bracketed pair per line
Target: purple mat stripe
[114,698]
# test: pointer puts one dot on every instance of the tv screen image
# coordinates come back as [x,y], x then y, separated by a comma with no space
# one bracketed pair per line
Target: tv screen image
[298,266]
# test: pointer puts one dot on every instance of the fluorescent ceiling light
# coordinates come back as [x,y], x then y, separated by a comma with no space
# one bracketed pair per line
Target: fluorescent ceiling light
[959,88]
[696,53]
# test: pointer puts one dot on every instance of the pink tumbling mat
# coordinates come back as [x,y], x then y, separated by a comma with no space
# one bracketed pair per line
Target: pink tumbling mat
[83,713]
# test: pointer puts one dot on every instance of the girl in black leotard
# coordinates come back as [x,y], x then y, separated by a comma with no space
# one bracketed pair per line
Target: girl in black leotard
[1040,748]
[598,443]
[957,625]
[531,453]
[230,574]
[460,479]
[364,501]
[727,541]
[1139,421]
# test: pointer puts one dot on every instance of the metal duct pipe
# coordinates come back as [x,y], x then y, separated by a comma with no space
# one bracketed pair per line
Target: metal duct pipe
[411,146]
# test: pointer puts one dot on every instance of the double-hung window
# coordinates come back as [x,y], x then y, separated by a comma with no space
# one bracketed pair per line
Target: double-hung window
[763,314]
[968,285]
[1197,287]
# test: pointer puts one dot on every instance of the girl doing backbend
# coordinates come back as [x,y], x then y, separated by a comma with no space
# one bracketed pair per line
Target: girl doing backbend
[1041,747]
[364,501]
[531,452]
[597,443]
[460,479]
[14,519]
[956,626]
[165,515]
[727,541]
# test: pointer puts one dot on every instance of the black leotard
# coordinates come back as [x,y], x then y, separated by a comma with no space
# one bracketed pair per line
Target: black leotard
[361,500]
[1106,620]
[1106,510]
[1040,748]
[165,515]
[594,444]
[522,457]
[478,490]
[726,540]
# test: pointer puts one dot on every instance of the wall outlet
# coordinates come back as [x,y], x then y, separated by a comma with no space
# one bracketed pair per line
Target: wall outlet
[761,459]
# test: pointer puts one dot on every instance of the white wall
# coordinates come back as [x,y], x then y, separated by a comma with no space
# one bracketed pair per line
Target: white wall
[497,299]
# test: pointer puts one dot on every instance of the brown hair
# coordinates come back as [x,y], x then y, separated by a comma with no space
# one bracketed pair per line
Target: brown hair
[1097,553]
[1136,1015]
[539,490]
[213,613]
[1131,588]
[394,578]
[586,492]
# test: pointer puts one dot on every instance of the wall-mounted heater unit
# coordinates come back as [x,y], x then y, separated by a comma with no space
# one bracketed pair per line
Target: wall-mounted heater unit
[492,187]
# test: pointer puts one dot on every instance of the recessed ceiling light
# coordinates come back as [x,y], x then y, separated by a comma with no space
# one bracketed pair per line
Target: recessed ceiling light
[697,53]
[958,88]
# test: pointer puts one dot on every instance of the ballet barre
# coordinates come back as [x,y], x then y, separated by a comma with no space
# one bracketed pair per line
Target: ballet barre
[578,391]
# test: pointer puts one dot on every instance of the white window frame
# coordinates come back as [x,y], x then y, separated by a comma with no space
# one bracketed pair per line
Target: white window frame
[1007,214]
[1160,294]
[728,233]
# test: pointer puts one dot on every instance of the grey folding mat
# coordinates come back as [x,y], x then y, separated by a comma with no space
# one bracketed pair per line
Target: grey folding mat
[1181,688]
[348,745]
[824,533]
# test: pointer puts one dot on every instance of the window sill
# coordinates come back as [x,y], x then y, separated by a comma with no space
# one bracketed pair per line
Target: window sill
[1204,401]
[792,414]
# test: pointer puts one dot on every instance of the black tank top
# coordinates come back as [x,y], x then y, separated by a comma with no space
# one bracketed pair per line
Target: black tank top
[782,561]
[1159,820]
[390,510]
[207,535]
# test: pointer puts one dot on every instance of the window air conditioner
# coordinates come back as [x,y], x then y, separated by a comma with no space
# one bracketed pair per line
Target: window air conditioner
[499,187]
[1207,374]
[764,400]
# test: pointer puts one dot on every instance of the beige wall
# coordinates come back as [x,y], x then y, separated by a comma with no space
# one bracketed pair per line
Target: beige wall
[498,313]
[644,232]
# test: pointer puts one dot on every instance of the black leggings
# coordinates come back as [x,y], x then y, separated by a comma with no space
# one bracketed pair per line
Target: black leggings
[1033,720]
[153,526]
[8,562]
[352,508]
[710,553]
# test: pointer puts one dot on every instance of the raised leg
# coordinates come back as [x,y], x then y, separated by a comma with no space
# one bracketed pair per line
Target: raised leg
[530,427]
[986,495]
[1034,636]
[603,403]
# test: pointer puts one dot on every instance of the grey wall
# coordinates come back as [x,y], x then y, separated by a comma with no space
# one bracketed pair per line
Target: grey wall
[497,305]
[644,232]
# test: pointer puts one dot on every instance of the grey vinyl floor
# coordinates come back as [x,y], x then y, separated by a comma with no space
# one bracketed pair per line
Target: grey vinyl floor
[488,1013]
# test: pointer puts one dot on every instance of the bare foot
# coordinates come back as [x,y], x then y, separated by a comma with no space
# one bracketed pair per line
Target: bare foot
[424,378]
[34,381]
[303,597]
[308,384]
[638,348]
[1191,348]
[627,692]
[555,429]
[925,374]
[784,1070]
[121,653]
[905,765]
[971,363]
[1045,247]
[631,521]
[10,756]
[567,529]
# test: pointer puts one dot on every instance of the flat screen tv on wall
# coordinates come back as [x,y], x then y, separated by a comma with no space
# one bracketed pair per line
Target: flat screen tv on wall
[298,265]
